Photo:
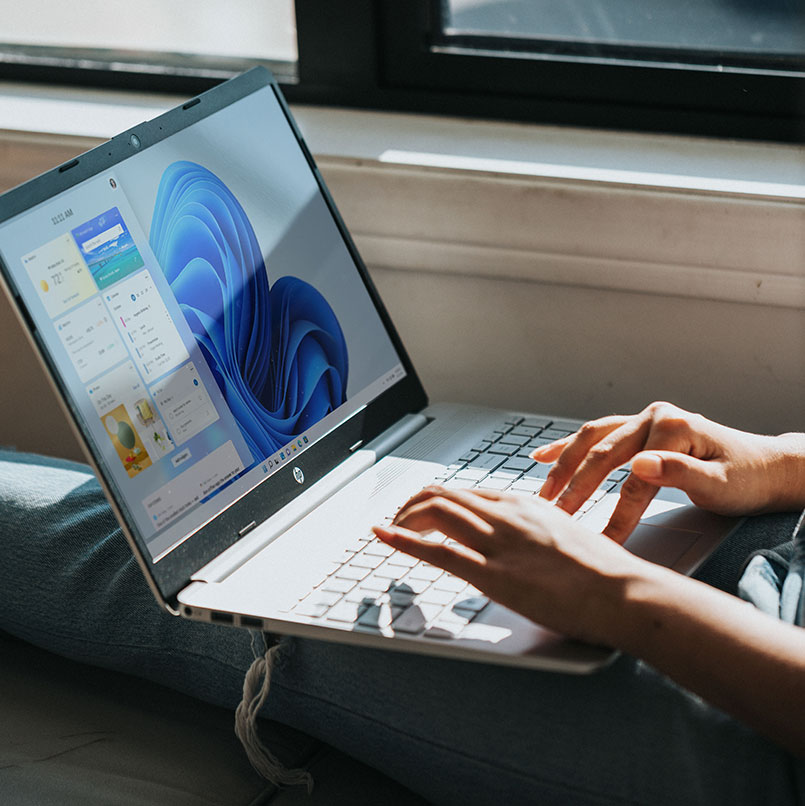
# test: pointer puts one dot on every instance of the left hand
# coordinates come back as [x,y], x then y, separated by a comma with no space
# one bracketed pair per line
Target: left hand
[523,553]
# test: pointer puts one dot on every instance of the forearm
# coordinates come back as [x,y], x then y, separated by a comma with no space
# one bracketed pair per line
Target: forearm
[725,650]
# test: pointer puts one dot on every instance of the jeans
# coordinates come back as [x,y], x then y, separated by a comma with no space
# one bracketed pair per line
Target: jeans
[453,731]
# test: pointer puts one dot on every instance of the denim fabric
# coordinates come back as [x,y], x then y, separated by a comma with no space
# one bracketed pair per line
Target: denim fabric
[456,732]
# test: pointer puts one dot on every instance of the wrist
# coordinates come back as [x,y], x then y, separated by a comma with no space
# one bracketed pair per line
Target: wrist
[786,474]
[633,614]
[616,602]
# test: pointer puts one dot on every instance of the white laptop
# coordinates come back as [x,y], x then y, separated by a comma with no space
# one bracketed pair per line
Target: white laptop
[246,402]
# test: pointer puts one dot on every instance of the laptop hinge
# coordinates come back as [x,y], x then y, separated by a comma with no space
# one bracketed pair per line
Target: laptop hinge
[258,537]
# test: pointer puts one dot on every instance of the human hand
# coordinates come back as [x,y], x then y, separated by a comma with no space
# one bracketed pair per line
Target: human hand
[522,552]
[721,469]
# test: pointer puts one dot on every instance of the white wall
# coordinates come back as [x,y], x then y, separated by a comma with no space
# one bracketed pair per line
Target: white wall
[585,352]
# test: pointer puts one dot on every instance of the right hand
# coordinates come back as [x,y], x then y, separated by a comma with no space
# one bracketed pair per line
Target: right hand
[721,469]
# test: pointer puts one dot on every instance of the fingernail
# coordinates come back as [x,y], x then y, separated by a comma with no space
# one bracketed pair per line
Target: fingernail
[548,489]
[648,465]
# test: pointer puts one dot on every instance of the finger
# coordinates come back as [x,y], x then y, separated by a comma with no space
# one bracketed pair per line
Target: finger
[696,477]
[425,494]
[613,450]
[550,452]
[666,452]
[635,496]
[483,503]
[449,517]
[460,562]
[576,448]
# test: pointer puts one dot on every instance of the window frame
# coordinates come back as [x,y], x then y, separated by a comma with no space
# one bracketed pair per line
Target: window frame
[387,55]
[612,90]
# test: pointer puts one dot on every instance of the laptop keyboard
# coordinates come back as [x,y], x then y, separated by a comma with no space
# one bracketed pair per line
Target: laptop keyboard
[371,586]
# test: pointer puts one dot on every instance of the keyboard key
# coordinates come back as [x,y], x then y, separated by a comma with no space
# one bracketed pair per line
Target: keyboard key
[538,442]
[537,471]
[493,483]
[514,439]
[379,549]
[448,472]
[481,446]
[328,598]
[416,617]
[417,585]
[564,425]
[311,609]
[514,419]
[411,621]
[503,473]
[370,561]
[617,476]
[350,572]
[504,449]
[400,559]
[448,582]
[555,433]
[502,428]
[518,464]
[471,474]
[425,572]
[437,597]
[375,584]
[401,595]
[473,604]
[457,483]
[469,456]
[375,615]
[522,431]
[460,617]
[443,633]
[342,556]
[535,422]
[488,461]
[348,612]
[336,585]
[527,486]
[358,595]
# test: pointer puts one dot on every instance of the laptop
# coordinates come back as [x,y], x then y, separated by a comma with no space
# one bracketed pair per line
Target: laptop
[246,402]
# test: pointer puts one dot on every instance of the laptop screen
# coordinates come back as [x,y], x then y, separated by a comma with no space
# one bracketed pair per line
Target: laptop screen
[204,313]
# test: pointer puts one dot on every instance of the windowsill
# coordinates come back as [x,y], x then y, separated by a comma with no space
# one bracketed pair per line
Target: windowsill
[647,213]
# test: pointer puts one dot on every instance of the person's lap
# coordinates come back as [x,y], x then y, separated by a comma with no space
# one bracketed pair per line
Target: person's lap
[453,731]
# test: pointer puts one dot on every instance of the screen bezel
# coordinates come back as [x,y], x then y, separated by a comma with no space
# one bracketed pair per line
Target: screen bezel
[174,570]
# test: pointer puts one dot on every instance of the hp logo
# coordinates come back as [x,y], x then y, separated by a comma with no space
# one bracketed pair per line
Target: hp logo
[298,475]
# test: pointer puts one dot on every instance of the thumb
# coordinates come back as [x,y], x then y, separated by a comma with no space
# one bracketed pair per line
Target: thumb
[673,469]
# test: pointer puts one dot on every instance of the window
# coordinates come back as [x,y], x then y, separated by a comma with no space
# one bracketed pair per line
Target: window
[183,45]
[731,68]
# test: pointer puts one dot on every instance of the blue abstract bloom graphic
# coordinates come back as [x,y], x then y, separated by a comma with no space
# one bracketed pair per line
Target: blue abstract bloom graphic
[277,353]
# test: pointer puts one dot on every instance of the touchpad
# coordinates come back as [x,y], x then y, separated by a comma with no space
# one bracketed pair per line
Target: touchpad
[660,544]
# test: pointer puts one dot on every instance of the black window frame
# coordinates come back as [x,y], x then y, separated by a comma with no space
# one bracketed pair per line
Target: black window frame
[390,55]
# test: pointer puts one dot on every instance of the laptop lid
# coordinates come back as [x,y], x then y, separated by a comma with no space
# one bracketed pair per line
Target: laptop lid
[205,318]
